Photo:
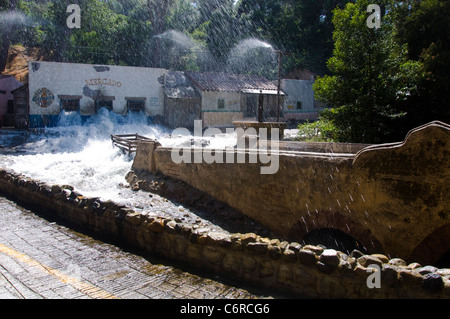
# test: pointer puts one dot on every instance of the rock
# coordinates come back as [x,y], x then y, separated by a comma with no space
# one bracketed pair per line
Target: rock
[284,245]
[444,272]
[236,237]
[414,266]
[426,270]
[368,260]
[249,238]
[68,187]
[307,257]
[433,283]
[330,257]
[156,225]
[219,239]
[274,252]
[346,265]
[356,253]
[289,256]
[295,247]
[397,262]
[275,242]
[316,249]
[170,227]
[381,257]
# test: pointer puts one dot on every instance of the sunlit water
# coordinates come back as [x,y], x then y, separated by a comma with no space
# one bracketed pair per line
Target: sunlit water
[82,155]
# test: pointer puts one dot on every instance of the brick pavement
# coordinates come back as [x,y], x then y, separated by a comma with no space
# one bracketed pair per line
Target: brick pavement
[40,259]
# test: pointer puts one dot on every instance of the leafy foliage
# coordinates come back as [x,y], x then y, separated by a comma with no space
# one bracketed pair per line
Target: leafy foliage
[318,131]
[380,83]
[372,78]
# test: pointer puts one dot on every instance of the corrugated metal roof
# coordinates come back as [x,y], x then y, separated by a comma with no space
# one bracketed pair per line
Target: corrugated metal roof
[222,82]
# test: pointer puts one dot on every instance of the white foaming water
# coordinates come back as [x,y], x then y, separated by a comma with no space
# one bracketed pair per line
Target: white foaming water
[83,155]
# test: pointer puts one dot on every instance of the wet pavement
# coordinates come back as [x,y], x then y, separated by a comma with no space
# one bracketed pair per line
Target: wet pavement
[41,259]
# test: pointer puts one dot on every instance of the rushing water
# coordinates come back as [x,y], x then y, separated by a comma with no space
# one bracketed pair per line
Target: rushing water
[82,155]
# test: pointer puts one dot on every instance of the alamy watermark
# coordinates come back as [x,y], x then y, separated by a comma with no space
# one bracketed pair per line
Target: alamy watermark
[74,19]
[374,20]
[374,279]
[248,149]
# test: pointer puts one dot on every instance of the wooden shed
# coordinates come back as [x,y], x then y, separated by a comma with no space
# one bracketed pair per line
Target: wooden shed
[182,102]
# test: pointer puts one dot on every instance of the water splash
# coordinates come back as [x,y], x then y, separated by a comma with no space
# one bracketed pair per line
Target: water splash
[81,154]
[249,56]
[252,43]
[253,56]
[178,38]
[12,19]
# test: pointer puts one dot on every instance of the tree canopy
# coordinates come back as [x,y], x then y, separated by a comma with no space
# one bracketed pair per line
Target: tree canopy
[199,34]
[387,81]
[378,83]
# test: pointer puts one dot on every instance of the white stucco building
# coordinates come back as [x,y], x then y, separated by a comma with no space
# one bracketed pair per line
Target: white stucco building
[300,103]
[57,87]
[226,98]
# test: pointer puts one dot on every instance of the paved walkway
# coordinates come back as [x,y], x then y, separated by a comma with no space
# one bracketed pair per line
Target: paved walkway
[43,260]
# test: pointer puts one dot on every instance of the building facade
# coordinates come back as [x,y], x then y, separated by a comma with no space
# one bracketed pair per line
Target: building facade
[66,87]
[21,107]
[174,98]
[182,101]
[226,98]
[300,104]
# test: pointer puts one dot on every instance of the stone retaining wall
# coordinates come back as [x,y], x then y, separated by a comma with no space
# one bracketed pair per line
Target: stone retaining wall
[306,271]
[391,198]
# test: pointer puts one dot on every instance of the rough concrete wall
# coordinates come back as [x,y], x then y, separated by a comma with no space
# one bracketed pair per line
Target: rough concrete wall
[409,189]
[389,197]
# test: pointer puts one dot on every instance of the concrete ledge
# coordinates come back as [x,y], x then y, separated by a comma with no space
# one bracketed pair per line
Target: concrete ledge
[306,271]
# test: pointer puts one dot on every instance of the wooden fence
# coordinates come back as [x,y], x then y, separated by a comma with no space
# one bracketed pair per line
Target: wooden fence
[129,142]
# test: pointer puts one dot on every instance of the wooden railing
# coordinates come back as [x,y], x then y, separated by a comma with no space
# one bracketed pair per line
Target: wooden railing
[129,142]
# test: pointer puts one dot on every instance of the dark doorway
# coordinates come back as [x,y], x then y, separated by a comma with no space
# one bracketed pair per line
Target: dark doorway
[252,105]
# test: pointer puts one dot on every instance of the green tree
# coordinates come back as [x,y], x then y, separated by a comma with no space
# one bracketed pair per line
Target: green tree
[303,28]
[424,27]
[372,76]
